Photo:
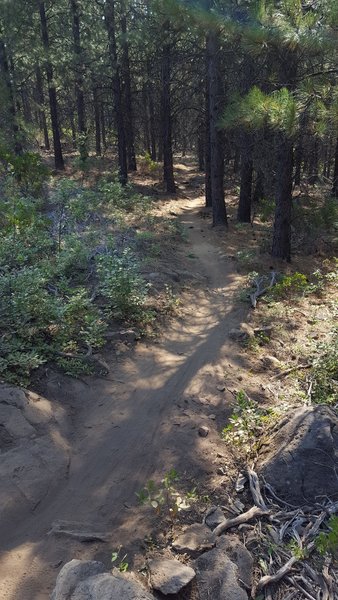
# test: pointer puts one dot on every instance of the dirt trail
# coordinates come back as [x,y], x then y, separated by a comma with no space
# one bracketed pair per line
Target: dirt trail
[134,425]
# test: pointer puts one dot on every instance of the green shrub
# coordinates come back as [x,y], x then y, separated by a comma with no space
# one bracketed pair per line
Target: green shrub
[327,542]
[325,374]
[289,287]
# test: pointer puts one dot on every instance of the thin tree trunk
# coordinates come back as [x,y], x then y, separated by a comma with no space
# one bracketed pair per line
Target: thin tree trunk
[281,245]
[103,126]
[97,122]
[116,80]
[79,95]
[13,125]
[245,197]
[335,173]
[237,159]
[168,167]
[201,149]
[216,135]
[58,158]
[128,110]
[207,160]
[298,162]
[41,102]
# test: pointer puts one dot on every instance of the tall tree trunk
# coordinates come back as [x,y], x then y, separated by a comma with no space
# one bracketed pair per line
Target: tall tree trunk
[152,120]
[103,126]
[79,94]
[237,160]
[201,149]
[216,135]
[128,109]
[13,125]
[97,122]
[207,159]
[298,161]
[281,243]
[116,80]
[245,196]
[258,193]
[335,173]
[168,167]
[41,102]
[58,158]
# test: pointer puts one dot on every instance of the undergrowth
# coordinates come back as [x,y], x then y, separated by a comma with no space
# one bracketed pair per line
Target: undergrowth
[68,267]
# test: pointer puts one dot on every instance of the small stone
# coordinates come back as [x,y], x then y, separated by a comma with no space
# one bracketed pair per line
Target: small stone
[221,388]
[242,333]
[169,576]
[215,517]
[212,417]
[220,471]
[271,362]
[263,331]
[203,431]
[217,577]
[195,538]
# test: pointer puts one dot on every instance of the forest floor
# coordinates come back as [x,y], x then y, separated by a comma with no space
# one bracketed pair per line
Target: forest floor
[143,418]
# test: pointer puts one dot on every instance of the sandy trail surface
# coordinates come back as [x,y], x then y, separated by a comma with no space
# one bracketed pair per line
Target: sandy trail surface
[133,425]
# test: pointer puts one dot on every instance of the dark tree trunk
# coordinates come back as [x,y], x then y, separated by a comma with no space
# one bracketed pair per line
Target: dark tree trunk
[128,109]
[208,194]
[152,119]
[97,122]
[58,158]
[201,150]
[216,135]
[103,126]
[116,80]
[13,125]
[258,193]
[41,102]
[335,173]
[245,196]
[145,120]
[78,66]
[168,167]
[313,168]
[298,162]
[281,245]
[237,159]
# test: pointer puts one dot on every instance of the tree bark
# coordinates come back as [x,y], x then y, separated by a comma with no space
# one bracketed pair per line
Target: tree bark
[258,193]
[78,66]
[97,122]
[216,135]
[281,245]
[168,167]
[335,173]
[58,158]
[13,125]
[41,102]
[245,196]
[116,81]
[128,109]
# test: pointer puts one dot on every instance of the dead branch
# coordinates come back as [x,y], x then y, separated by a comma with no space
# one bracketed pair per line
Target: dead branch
[300,588]
[78,531]
[282,572]
[250,514]
[260,290]
[291,370]
[256,490]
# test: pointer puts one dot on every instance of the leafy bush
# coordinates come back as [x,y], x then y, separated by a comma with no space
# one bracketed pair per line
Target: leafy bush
[327,542]
[123,288]
[325,374]
[165,498]
[289,287]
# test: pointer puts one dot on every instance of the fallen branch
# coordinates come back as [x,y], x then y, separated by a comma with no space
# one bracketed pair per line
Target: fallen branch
[284,570]
[78,531]
[256,490]
[259,281]
[250,514]
[291,370]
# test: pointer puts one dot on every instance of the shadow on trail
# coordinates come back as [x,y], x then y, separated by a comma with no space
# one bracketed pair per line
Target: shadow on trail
[126,434]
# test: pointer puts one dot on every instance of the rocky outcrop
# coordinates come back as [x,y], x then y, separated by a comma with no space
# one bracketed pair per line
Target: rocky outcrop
[302,459]
[169,576]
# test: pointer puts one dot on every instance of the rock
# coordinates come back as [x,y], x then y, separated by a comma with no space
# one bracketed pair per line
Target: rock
[86,580]
[203,431]
[242,333]
[271,362]
[239,555]
[71,574]
[153,276]
[217,577]
[115,586]
[301,461]
[215,517]
[195,538]
[169,576]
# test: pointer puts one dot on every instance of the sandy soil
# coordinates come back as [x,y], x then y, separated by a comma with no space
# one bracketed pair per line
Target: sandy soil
[135,424]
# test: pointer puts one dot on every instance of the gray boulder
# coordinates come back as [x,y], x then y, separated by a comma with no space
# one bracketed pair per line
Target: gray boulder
[301,461]
[169,576]
[239,555]
[72,574]
[217,577]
